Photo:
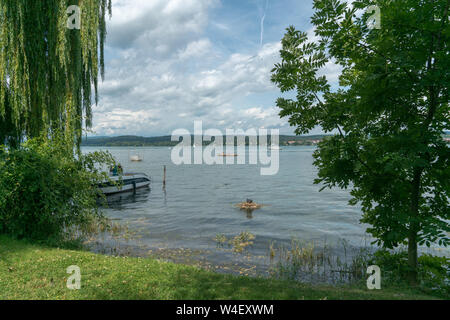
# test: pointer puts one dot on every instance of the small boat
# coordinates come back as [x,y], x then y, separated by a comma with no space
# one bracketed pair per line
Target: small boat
[127,182]
[136,158]
[274,147]
[227,155]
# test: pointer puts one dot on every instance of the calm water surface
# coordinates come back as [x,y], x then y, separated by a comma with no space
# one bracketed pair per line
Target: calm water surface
[198,203]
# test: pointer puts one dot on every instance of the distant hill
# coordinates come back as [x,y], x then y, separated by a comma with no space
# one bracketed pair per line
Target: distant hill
[137,141]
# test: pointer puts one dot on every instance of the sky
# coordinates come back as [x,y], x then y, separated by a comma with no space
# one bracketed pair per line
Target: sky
[172,62]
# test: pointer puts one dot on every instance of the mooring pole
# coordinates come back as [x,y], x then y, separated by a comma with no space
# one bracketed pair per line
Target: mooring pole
[164,178]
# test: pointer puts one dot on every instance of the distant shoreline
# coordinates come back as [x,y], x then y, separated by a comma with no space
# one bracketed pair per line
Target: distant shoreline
[165,141]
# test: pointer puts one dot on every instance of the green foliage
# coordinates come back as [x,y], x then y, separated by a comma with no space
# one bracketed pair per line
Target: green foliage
[433,271]
[47,73]
[46,69]
[389,111]
[46,193]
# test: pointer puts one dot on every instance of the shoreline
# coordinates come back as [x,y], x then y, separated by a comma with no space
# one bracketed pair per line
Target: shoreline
[30,271]
[226,261]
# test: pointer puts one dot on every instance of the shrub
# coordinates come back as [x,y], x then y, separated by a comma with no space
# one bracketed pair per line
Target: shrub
[433,271]
[47,192]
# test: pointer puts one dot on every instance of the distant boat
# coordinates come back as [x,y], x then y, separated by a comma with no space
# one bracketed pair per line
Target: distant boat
[274,147]
[129,182]
[136,158]
[227,155]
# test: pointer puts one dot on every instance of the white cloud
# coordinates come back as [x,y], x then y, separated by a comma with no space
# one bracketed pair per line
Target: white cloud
[157,86]
[197,48]
[164,70]
[160,26]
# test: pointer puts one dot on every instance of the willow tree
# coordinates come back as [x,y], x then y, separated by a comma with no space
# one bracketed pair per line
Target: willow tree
[49,67]
[389,111]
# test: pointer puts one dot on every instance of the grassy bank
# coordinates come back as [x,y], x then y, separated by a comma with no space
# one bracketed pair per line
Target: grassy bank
[29,271]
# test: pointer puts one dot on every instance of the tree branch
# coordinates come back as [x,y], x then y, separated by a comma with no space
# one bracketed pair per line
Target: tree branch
[343,137]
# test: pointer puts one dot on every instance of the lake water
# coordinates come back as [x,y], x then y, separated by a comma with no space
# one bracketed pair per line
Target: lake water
[199,201]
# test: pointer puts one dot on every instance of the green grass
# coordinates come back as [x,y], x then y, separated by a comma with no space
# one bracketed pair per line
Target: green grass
[29,271]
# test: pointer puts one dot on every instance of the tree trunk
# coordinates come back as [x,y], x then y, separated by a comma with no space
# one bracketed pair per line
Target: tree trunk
[414,228]
[412,258]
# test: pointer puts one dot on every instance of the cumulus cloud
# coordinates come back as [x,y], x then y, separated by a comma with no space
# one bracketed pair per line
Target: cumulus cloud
[196,49]
[165,69]
[160,26]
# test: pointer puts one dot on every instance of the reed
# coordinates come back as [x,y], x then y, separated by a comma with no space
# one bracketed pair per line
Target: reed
[308,262]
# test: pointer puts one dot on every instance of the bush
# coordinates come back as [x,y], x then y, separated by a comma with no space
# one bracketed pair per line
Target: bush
[434,271]
[47,192]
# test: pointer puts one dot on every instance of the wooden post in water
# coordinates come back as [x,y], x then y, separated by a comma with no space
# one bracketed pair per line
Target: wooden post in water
[164,178]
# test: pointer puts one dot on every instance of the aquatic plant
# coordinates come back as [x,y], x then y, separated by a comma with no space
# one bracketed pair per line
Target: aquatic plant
[243,240]
[306,261]
[238,243]
[220,239]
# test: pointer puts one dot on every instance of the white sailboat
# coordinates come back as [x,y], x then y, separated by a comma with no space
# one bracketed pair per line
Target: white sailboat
[136,157]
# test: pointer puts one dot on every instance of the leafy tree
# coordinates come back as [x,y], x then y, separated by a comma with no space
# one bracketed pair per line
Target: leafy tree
[47,70]
[388,112]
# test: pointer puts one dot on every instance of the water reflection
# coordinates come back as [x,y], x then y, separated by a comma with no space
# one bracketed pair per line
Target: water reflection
[121,200]
[165,196]
[249,213]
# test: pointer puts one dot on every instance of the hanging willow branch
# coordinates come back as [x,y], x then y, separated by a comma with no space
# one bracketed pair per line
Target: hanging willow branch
[47,71]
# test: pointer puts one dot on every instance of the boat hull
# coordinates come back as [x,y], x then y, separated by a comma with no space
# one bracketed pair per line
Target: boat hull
[129,183]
